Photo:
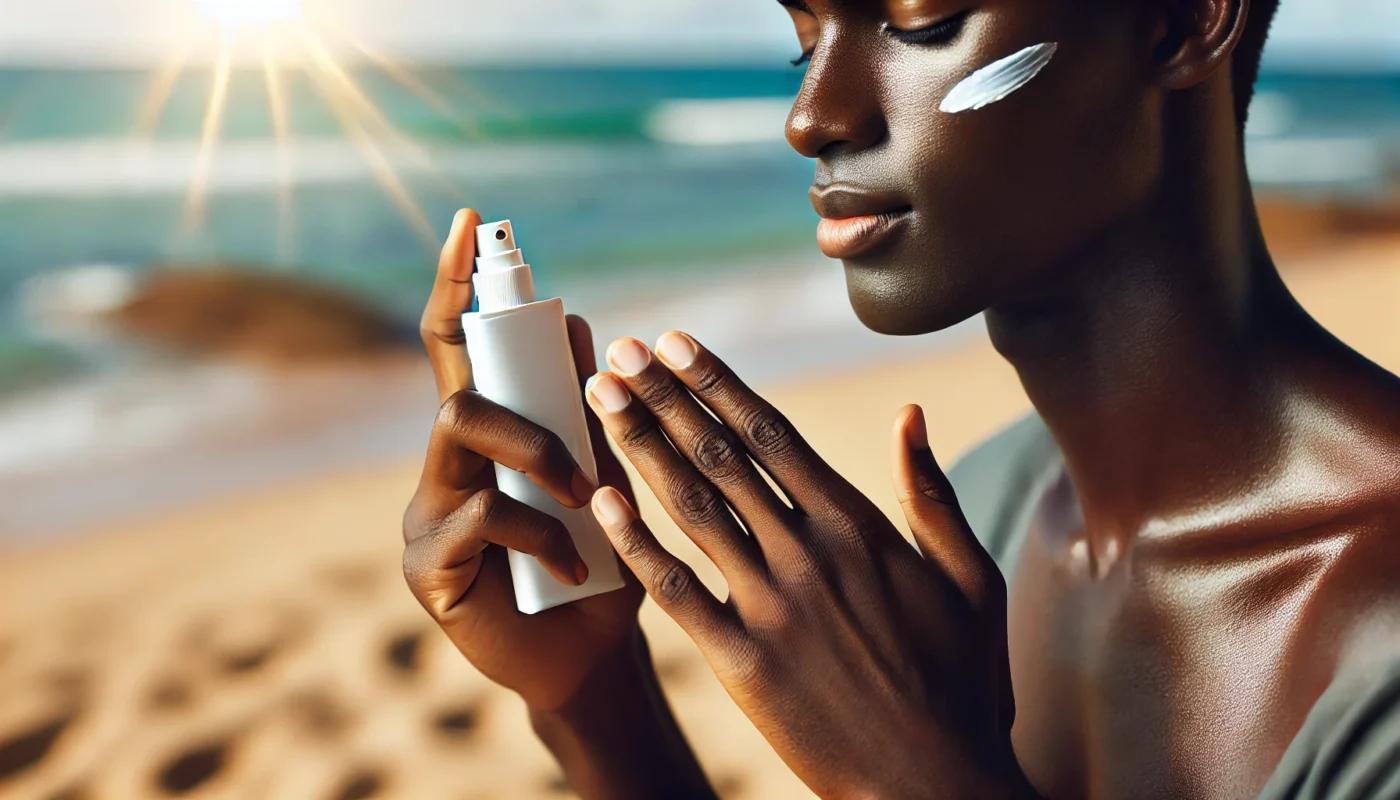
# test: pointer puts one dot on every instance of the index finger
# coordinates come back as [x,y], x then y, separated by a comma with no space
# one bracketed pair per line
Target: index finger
[804,476]
[441,325]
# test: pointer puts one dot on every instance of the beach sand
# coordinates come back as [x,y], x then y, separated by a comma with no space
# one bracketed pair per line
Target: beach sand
[263,645]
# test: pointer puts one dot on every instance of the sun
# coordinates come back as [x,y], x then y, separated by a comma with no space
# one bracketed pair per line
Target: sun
[291,41]
[238,14]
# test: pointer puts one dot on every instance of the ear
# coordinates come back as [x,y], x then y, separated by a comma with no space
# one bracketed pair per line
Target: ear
[1196,38]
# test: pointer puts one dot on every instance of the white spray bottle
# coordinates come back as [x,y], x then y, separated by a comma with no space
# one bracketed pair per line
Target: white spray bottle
[521,359]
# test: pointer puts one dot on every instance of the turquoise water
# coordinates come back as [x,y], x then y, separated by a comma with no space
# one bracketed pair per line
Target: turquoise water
[570,159]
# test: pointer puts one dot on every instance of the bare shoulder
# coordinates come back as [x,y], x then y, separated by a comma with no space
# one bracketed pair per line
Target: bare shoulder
[1365,524]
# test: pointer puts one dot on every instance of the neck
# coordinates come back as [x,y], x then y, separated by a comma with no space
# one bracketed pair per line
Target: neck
[1154,363]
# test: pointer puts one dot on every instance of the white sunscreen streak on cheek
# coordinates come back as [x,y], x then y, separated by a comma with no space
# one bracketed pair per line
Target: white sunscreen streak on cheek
[999,79]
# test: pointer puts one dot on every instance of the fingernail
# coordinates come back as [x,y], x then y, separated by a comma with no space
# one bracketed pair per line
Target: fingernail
[610,392]
[581,572]
[629,357]
[677,350]
[611,508]
[916,432]
[582,487]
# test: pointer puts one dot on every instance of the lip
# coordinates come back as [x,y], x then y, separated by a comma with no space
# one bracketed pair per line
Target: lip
[855,221]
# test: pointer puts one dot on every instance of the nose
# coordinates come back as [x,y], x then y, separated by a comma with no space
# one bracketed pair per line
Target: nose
[838,109]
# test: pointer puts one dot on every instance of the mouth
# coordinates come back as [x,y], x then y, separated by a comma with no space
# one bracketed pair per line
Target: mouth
[855,221]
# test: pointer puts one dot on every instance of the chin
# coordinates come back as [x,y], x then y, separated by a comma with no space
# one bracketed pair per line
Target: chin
[895,305]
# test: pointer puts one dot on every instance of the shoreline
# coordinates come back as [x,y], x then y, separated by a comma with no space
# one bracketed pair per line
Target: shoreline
[143,441]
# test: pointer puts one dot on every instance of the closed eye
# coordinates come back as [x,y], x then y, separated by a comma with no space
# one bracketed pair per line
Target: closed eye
[808,30]
[940,32]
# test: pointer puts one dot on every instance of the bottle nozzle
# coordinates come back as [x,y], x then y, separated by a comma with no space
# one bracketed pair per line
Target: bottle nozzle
[495,247]
[503,279]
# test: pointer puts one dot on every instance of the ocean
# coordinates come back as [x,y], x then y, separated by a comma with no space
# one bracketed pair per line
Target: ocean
[609,172]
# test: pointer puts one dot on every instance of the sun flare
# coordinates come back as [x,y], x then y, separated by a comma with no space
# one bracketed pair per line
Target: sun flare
[293,45]
[239,14]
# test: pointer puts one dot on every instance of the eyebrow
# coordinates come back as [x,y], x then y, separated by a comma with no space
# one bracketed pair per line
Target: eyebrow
[796,5]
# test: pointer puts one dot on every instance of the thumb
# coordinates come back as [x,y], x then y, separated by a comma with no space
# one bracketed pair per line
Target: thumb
[934,516]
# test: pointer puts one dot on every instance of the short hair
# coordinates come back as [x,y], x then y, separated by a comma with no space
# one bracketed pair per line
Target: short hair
[1249,52]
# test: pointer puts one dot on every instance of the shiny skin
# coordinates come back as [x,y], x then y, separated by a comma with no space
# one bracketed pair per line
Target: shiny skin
[1229,525]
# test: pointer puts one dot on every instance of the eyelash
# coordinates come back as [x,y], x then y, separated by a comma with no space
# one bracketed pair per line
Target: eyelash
[938,33]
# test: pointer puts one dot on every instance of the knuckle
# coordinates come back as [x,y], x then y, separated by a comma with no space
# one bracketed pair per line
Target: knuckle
[709,382]
[717,454]
[673,584]
[480,508]
[804,569]
[630,542]
[769,433]
[541,449]
[750,668]
[697,503]
[770,614]
[638,435]
[658,395]
[417,570]
[458,411]
[848,531]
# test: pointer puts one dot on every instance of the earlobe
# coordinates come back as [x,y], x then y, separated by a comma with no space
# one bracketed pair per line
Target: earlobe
[1198,38]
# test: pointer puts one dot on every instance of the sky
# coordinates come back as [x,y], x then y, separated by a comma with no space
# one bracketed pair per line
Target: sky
[148,31]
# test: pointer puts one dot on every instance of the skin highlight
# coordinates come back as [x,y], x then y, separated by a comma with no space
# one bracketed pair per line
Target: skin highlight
[1223,539]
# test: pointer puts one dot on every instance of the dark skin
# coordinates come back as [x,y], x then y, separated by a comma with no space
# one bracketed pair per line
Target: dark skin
[1224,539]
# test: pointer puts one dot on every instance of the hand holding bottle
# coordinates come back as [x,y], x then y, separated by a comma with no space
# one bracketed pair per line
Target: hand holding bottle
[457,513]
[583,668]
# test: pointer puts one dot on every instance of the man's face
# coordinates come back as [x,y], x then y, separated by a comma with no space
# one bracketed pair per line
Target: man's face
[981,204]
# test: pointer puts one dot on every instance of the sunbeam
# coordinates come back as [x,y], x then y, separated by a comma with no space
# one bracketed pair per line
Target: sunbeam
[416,85]
[153,107]
[286,39]
[209,137]
[379,164]
[344,86]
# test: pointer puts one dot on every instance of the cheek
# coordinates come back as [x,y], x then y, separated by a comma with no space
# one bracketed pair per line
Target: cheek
[1012,188]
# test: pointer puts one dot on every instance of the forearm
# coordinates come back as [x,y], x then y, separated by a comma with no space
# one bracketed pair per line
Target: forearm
[617,738]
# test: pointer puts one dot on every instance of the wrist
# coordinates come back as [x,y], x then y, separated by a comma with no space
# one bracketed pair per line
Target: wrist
[932,762]
[615,736]
[616,682]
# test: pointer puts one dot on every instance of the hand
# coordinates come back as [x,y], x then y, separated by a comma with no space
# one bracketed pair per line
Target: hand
[457,514]
[873,670]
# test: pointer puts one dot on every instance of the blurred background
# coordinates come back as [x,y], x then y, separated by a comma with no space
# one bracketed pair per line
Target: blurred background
[218,222]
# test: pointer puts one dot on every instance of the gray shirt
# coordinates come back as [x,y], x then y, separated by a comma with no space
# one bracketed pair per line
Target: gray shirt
[1349,746]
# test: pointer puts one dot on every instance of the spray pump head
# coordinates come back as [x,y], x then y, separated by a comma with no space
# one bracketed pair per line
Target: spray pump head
[503,279]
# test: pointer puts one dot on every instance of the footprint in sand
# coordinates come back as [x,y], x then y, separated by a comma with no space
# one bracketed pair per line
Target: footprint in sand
[27,748]
[404,653]
[458,724]
[361,786]
[193,768]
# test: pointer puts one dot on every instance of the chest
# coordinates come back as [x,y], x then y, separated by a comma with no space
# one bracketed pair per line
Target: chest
[1138,676]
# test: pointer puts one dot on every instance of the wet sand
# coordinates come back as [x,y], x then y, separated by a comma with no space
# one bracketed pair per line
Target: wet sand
[263,645]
